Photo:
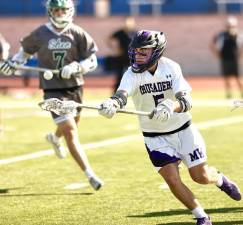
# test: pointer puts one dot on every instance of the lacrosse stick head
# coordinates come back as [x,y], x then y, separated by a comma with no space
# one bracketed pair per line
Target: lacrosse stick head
[237,104]
[59,107]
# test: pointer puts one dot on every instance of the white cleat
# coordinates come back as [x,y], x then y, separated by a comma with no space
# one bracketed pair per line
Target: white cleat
[57,145]
[96,183]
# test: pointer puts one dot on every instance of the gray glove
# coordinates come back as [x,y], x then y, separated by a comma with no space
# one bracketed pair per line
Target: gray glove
[163,111]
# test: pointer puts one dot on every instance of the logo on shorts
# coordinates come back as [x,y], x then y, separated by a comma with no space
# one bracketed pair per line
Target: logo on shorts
[197,154]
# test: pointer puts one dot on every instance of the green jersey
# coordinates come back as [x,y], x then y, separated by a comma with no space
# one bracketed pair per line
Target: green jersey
[55,50]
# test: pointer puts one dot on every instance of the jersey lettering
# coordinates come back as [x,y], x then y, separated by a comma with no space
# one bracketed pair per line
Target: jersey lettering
[59,57]
[54,44]
[158,99]
[155,87]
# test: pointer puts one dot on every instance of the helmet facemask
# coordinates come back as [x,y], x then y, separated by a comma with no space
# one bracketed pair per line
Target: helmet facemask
[67,6]
[145,40]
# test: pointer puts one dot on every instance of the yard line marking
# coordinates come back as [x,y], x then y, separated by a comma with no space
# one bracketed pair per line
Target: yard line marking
[164,186]
[85,146]
[44,114]
[201,126]
[219,122]
[75,186]
[213,102]
[198,102]
[27,157]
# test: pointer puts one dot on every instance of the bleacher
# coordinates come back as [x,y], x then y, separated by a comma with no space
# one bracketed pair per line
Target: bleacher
[118,7]
[222,5]
[134,6]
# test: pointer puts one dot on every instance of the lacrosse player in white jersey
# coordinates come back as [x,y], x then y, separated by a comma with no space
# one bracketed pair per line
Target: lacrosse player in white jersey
[60,44]
[156,84]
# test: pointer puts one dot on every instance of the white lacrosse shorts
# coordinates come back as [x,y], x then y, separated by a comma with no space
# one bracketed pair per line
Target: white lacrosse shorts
[186,145]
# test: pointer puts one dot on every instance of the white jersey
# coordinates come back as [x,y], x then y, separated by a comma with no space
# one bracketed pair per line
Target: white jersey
[148,90]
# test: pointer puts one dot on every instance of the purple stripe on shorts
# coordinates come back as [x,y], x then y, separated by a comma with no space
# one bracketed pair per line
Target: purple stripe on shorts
[160,159]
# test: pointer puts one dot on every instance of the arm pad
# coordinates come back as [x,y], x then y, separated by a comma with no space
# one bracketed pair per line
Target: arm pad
[185,100]
[89,64]
[121,98]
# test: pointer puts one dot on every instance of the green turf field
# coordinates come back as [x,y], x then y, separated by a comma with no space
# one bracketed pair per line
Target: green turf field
[32,191]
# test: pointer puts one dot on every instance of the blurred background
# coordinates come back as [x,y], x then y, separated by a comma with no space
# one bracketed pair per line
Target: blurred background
[189,27]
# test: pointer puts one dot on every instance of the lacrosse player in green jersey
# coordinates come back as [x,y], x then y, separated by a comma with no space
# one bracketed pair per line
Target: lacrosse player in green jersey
[60,44]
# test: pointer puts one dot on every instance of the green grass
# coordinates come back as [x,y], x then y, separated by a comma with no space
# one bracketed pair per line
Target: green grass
[32,192]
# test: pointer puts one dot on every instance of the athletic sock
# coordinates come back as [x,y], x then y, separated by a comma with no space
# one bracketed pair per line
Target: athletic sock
[219,182]
[56,138]
[199,212]
[89,173]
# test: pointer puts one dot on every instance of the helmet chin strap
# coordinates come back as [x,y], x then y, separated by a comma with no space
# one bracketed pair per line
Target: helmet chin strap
[153,68]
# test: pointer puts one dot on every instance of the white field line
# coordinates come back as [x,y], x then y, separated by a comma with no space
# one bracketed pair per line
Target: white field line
[219,122]
[75,186]
[92,113]
[85,146]
[85,113]
[202,126]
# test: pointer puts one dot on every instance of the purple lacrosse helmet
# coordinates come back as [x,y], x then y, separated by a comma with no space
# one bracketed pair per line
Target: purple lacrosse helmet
[146,39]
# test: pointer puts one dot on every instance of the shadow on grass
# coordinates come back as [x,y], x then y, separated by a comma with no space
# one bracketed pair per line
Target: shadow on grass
[214,223]
[187,212]
[40,194]
[6,190]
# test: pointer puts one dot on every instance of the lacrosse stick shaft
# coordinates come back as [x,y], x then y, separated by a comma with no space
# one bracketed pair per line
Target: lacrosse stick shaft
[61,107]
[39,69]
[126,111]
[35,69]
[237,104]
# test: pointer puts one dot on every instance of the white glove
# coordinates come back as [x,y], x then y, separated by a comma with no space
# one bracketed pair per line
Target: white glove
[70,69]
[7,67]
[109,108]
[163,111]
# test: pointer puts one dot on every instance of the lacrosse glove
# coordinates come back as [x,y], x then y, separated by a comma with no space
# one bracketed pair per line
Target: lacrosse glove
[8,67]
[163,111]
[70,69]
[108,108]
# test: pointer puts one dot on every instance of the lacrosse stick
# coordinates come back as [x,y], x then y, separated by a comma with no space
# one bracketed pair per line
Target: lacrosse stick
[237,104]
[35,69]
[47,73]
[70,107]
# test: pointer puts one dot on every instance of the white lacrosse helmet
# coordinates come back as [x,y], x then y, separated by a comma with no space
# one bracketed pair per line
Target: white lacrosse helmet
[64,20]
